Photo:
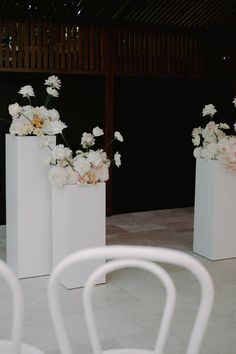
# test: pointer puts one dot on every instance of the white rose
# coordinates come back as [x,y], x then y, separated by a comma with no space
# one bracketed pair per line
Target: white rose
[54,127]
[53,92]
[57,176]
[14,109]
[72,176]
[118,136]
[97,131]
[117,158]
[59,152]
[81,165]
[94,157]
[53,114]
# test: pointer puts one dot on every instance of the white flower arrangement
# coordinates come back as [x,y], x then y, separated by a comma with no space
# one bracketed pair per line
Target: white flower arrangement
[88,166]
[39,121]
[213,143]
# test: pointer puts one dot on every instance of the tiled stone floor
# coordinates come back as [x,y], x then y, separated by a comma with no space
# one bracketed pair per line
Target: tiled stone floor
[129,305]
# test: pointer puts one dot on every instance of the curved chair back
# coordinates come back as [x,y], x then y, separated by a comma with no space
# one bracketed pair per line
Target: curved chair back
[15,345]
[140,257]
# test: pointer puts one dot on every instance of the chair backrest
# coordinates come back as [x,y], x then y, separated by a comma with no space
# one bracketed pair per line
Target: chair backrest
[17,327]
[140,257]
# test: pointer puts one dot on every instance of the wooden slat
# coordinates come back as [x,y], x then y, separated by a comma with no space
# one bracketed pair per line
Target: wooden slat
[69,46]
[62,43]
[45,45]
[57,47]
[13,44]
[20,44]
[26,43]
[1,37]
[33,44]
[86,56]
[91,48]
[51,43]
[81,49]
[6,47]
[103,51]
[75,48]
[39,45]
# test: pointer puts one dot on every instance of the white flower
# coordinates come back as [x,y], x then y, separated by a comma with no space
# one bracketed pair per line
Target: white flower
[87,140]
[72,176]
[224,126]
[54,127]
[196,136]
[88,166]
[197,152]
[118,136]
[59,152]
[53,92]
[210,151]
[97,131]
[53,81]
[94,157]
[20,126]
[81,165]
[45,141]
[14,109]
[234,101]
[57,176]
[209,109]
[26,91]
[53,114]
[117,158]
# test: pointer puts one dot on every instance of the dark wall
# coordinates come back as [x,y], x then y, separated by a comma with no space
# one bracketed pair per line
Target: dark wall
[80,104]
[156,117]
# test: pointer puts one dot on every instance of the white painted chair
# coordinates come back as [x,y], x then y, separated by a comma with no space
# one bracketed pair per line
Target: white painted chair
[149,259]
[15,345]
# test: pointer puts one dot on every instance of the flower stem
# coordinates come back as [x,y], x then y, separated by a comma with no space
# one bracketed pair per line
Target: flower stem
[110,142]
[66,142]
[29,100]
[47,100]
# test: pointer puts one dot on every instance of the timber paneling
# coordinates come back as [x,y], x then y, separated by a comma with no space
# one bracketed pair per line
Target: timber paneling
[41,46]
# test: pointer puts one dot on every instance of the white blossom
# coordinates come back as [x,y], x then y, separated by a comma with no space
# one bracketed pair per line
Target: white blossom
[53,81]
[14,109]
[54,127]
[97,131]
[27,91]
[53,92]
[209,109]
[57,176]
[118,136]
[53,115]
[59,152]
[87,140]
[20,126]
[81,165]
[117,158]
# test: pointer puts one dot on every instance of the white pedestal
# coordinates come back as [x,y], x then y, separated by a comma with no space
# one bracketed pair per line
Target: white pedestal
[78,222]
[215,211]
[28,207]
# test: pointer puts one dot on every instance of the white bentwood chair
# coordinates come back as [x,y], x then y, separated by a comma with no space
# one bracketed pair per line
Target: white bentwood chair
[149,259]
[15,345]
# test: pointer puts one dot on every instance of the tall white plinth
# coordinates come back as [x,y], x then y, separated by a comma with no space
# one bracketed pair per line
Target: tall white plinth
[214,211]
[28,207]
[78,222]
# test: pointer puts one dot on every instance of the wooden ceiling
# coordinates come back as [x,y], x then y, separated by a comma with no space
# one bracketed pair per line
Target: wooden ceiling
[187,14]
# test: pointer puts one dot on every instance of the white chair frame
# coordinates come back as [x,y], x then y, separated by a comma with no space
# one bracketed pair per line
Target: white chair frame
[141,257]
[15,345]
